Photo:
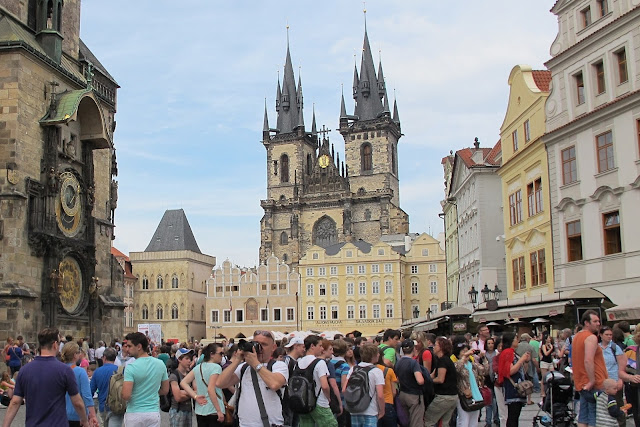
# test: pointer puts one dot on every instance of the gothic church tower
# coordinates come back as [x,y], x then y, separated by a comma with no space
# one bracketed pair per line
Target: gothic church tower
[312,197]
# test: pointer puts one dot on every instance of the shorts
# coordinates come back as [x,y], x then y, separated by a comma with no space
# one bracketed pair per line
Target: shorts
[142,419]
[546,365]
[587,414]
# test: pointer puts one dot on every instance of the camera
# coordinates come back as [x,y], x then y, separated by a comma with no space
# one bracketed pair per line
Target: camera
[476,351]
[245,345]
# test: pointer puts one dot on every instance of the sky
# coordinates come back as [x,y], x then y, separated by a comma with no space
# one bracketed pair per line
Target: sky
[195,75]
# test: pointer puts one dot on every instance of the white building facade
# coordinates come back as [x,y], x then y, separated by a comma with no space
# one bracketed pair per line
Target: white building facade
[477,194]
[593,147]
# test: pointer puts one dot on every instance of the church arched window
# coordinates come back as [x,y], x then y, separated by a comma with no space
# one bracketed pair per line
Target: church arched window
[366,157]
[145,282]
[325,232]
[159,312]
[160,282]
[174,282]
[284,168]
[174,311]
[284,238]
[145,312]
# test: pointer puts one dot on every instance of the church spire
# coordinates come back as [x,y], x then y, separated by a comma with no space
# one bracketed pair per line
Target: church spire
[343,109]
[265,126]
[290,99]
[382,91]
[367,94]
[314,131]
[396,117]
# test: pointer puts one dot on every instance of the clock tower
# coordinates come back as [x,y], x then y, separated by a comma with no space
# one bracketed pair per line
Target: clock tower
[58,200]
[314,198]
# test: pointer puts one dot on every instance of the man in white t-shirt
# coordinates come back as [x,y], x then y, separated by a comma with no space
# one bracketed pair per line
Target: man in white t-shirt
[270,382]
[321,414]
[100,352]
[369,355]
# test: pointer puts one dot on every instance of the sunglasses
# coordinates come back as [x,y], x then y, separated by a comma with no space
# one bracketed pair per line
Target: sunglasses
[267,334]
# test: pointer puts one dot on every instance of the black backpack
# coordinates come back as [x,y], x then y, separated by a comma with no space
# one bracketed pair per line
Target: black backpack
[165,401]
[302,389]
[357,395]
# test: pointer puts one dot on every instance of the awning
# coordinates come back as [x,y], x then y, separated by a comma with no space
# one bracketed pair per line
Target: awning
[523,311]
[427,326]
[629,311]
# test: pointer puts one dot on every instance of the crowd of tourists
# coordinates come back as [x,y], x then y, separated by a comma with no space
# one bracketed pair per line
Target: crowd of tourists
[396,379]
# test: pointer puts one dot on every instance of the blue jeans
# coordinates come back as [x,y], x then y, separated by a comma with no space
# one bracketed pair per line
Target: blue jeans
[390,418]
[492,410]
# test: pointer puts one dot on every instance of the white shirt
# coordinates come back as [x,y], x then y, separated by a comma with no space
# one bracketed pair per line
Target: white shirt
[100,352]
[319,371]
[249,412]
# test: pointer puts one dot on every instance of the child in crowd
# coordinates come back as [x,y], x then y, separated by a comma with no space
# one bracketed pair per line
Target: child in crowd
[607,410]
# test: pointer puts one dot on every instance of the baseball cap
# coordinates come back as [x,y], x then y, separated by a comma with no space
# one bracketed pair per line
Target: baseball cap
[294,341]
[408,344]
[183,352]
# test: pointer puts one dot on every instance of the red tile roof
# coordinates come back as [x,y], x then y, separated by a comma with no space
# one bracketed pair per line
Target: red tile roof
[495,151]
[467,153]
[542,79]
[116,253]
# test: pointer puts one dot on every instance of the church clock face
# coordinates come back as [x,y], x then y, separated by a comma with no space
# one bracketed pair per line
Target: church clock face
[69,206]
[70,288]
[323,161]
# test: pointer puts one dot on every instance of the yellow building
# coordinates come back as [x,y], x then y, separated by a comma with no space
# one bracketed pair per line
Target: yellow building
[365,287]
[172,275]
[525,186]
[241,301]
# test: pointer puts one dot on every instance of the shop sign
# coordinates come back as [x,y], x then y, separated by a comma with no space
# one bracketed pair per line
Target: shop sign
[459,327]
[364,321]
[553,312]
[328,322]
[482,320]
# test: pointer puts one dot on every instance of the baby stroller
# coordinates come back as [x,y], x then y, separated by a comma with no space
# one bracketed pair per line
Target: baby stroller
[557,403]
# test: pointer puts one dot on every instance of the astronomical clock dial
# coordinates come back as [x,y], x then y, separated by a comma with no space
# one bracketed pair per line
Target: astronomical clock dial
[69,205]
[323,161]
[70,287]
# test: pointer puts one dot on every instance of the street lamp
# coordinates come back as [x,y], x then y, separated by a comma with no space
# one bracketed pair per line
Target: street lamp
[473,296]
[485,292]
[497,292]
[416,312]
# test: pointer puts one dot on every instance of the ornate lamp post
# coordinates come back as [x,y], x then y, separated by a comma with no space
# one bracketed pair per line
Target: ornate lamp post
[486,293]
[497,292]
[473,296]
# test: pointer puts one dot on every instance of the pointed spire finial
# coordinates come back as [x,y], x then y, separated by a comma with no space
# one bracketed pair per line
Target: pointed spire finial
[343,109]
[364,11]
[314,130]
[265,127]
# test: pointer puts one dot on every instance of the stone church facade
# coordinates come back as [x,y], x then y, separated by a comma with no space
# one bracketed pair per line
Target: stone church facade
[57,164]
[314,198]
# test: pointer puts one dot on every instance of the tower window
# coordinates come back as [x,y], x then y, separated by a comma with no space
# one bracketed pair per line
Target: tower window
[284,238]
[366,156]
[284,168]
[308,164]
[394,165]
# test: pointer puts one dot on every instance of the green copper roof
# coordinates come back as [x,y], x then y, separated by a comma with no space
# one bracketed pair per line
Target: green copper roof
[67,106]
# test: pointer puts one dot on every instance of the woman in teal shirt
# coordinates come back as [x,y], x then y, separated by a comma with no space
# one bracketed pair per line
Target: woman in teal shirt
[209,404]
